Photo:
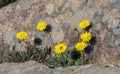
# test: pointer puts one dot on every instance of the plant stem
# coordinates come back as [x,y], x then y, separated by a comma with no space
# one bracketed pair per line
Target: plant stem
[51,38]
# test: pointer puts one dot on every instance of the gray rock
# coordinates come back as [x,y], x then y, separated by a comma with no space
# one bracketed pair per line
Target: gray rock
[50,9]
[10,37]
[25,14]
[98,26]
[110,39]
[99,70]
[73,10]
[0,34]
[114,25]
[117,43]
[25,5]
[65,7]
[117,30]
[58,35]
[2,15]
[32,67]
[46,39]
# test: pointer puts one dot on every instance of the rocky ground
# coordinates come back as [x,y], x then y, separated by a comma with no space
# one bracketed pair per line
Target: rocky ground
[64,16]
[32,67]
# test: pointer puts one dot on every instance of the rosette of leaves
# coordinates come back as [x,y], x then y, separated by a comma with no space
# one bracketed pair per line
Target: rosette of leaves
[18,56]
[69,58]
[42,55]
[39,55]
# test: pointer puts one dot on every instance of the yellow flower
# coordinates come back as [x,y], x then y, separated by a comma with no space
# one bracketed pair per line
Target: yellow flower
[84,24]
[86,36]
[80,46]
[21,35]
[41,26]
[60,48]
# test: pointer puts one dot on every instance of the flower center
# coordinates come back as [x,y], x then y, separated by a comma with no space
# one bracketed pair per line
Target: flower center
[61,47]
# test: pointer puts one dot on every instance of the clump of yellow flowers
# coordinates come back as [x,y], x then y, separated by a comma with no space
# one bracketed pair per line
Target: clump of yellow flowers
[60,48]
[41,26]
[62,55]
[85,36]
[21,35]
[84,24]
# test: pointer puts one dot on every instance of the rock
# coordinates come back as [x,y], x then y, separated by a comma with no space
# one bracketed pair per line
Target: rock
[2,15]
[29,67]
[98,26]
[50,9]
[25,5]
[108,59]
[64,18]
[110,39]
[99,70]
[65,7]
[10,38]
[71,35]
[46,39]
[117,43]
[63,15]
[32,67]
[57,35]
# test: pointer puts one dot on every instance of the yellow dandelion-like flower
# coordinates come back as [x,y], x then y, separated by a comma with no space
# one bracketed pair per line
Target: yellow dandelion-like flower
[60,48]
[21,35]
[86,36]
[80,46]
[41,26]
[84,24]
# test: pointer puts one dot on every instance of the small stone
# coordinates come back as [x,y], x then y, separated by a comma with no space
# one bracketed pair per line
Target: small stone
[65,7]
[3,16]
[50,9]
[0,34]
[117,43]
[73,10]
[57,35]
[10,36]
[117,30]
[110,39]
[25,5]
[98,26]
[113,23]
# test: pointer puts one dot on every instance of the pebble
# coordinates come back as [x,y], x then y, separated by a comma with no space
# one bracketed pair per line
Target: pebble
[50,8]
